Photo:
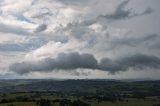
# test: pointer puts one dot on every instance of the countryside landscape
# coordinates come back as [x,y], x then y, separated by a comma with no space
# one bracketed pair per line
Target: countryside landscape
[79,93]
[79,52]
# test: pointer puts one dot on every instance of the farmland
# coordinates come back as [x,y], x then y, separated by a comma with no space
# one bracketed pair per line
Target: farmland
[79,93]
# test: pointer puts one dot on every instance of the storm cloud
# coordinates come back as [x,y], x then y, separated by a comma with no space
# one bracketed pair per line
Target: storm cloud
[138,61]
[74,60]
[62,61]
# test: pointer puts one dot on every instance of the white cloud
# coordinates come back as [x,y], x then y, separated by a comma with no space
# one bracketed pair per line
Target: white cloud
[52,49]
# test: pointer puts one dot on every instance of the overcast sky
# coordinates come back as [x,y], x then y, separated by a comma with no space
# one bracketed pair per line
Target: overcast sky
[112,39]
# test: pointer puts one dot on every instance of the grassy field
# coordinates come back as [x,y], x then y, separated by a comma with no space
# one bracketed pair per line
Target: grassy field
[149,101]
[20,104]
[90,92]
[129,103]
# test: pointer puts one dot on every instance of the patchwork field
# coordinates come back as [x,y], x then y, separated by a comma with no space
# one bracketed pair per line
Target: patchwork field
[79,93]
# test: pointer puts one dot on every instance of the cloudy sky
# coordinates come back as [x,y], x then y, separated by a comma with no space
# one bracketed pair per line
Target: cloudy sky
[112,39]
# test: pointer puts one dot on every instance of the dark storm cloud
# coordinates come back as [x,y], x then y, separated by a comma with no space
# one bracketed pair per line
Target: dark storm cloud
[41,28]
[138,61]
[121,12]
[63,61]
[75,60]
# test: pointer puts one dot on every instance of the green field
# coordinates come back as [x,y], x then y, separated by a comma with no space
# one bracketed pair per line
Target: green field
[81,92]
[129,103]
[148,101]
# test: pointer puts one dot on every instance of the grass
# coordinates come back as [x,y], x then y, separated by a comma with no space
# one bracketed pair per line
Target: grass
[20,104]
[138,103]
[132,102]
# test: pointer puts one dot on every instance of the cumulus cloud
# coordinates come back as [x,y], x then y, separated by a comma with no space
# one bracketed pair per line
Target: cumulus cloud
[138,61]
[52,49]
[74,60]
[62,61]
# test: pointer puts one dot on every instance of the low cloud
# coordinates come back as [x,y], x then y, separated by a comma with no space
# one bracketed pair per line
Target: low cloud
[138,61]
[74,60]
[62,61]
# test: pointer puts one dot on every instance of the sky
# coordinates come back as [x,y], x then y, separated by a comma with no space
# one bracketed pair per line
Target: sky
[79,39]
